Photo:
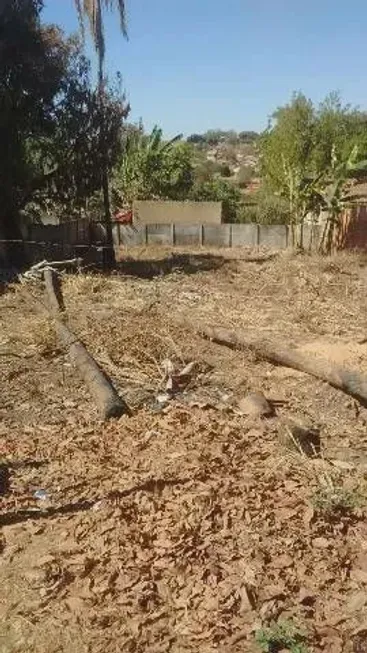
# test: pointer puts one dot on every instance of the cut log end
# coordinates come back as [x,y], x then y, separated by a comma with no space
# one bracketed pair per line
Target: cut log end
[115,409]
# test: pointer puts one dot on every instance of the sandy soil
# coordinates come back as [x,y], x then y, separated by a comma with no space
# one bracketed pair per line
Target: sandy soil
[188,526]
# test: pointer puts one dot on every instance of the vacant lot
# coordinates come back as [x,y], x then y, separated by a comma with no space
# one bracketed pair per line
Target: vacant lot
[189,526]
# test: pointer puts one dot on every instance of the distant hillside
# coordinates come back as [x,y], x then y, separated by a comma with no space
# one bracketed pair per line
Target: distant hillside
[230,154]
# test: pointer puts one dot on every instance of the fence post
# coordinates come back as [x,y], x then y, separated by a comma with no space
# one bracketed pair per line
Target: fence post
[201,235]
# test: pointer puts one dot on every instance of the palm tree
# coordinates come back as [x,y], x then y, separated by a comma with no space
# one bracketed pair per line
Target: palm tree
[92,12]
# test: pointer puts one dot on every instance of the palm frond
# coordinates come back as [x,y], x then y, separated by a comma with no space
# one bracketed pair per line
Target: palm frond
[361,166]
[122,13]
[79,10]
[92,12]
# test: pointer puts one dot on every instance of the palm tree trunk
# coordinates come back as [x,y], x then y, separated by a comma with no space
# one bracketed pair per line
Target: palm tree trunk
[110,258]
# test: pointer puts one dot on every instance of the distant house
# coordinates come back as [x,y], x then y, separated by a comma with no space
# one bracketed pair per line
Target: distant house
[252,186]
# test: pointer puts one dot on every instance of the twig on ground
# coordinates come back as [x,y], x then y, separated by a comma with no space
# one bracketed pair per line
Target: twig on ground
[36,272]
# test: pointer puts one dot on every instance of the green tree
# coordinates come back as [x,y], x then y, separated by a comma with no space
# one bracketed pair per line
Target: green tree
[50,119]
[264,207]
[299,150]
[288,142]
[219,190]
[32,65]
[196,139]
[286,150]
[245,175]
[206,170]
[338,128]
[152,168]
[70,159]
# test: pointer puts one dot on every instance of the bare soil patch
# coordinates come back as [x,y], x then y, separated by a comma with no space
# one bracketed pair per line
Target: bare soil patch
[189,526]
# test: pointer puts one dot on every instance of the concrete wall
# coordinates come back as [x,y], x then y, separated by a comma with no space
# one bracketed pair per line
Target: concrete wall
[274,236]
[129,235]
[162,212]
[159,234]
[87,233]
[188,234]
[245,235]
[88,239]
[217,236]
[223,235]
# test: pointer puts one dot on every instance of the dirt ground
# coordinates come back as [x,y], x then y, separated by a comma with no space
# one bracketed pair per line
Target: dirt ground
[189,526]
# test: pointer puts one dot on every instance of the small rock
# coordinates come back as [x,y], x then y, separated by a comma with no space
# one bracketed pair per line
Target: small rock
[255,404]
[357,602]
[69,403]
[273,592]
[282,561]
[359,575]
[342,464]
[321,543]
[163,398]
[306,597]
[75,604]
[41,495]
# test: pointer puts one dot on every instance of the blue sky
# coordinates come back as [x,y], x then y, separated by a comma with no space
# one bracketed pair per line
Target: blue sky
[198,64]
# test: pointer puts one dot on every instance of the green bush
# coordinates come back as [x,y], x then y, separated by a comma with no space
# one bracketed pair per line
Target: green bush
[219,190]
[280,636]
[264,207]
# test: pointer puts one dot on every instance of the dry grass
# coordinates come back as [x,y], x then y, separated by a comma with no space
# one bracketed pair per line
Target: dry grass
[41,336]
[187,528]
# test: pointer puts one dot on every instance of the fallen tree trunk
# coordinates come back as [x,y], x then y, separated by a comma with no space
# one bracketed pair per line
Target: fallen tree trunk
[349,381]
[104,394]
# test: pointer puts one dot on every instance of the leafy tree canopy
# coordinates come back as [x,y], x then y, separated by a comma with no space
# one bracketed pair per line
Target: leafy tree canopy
[50,119]
[219,190]
[152,168]
[302,137]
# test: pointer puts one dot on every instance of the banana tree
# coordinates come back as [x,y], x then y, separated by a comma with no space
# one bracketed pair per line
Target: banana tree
[334,196]
[144,166]
[300,190]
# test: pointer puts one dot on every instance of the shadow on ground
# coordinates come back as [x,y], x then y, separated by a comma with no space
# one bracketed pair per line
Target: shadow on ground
[187,263]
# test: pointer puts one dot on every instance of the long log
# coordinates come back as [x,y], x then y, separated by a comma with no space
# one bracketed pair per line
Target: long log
[108,401]
[349,381]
